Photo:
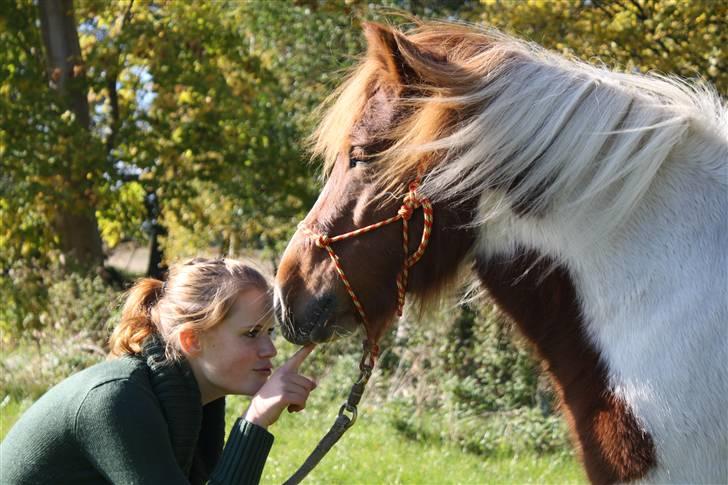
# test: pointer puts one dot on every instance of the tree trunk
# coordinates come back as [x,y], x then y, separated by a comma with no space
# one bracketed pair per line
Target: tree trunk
[156,267]
[75,222]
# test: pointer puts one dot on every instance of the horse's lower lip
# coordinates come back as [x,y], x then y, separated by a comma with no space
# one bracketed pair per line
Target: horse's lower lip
[321,334]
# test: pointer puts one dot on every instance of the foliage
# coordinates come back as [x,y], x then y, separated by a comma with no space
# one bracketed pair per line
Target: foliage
[205,104]
[373,452]
[493,373]
[203,107]
[518,431]
[43,170]
[416,389]
[468,381]
[396,442]
[684,38]
[41,302]
[53,324]
[179,97]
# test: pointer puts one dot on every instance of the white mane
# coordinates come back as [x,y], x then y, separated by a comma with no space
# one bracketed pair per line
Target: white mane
[569,138]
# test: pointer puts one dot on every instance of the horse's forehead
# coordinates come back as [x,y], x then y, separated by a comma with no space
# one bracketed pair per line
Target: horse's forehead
[377,115]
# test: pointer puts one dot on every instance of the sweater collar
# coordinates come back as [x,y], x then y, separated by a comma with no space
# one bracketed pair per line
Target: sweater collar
[176,389]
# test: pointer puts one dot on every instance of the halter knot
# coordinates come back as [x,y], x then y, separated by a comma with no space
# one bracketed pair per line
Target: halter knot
[406,211]
[410,203]
[322,240]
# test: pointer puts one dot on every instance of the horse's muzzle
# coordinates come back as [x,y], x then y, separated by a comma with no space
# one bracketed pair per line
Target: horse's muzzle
[318,322]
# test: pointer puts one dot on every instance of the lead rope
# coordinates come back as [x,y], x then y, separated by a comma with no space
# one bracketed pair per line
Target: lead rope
[343,421]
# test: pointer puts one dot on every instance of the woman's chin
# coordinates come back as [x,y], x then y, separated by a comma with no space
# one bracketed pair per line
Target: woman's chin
[251,387]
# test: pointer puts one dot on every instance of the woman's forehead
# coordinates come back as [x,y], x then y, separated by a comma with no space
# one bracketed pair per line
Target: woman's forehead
[253,307]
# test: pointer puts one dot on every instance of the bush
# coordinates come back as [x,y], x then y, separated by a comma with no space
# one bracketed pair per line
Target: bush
[503,433]
[49,298]
[469,380]
[465,380]
[494,368]
[54,324]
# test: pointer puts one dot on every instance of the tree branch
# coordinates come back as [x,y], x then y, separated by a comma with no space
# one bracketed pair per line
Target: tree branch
[113,93]
[640,11]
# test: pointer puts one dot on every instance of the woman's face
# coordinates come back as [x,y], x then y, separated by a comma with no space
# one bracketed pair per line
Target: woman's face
[235,356]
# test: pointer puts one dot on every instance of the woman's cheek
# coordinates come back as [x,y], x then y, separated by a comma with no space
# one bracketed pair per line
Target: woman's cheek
[246,354]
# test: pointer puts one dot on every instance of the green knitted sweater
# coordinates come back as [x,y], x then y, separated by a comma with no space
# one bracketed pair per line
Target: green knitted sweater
[133,420]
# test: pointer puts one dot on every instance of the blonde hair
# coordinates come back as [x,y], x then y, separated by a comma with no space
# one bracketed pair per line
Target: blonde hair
[198,294]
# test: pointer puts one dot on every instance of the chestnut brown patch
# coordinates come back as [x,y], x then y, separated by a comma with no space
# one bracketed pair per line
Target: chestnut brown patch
[541,299]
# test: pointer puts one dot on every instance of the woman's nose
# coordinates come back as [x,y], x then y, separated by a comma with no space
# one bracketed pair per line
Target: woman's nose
[267,348]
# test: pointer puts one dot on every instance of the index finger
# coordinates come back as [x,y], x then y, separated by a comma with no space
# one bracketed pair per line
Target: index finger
[297,359]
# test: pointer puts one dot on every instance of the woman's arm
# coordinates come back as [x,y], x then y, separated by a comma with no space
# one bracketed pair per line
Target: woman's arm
[122,431]
[244,456]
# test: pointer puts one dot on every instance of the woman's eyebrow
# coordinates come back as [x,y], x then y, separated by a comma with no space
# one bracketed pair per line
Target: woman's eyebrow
[250,326]
[261,324]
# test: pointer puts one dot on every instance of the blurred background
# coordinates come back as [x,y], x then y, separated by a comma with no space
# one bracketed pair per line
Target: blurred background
[137,133]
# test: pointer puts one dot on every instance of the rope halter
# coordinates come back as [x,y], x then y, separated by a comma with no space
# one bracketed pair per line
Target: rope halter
[348,411]
[411,202]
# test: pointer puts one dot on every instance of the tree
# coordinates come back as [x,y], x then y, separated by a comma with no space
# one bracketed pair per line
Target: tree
[46,198]
[685,38]
[181,107]
[74,222]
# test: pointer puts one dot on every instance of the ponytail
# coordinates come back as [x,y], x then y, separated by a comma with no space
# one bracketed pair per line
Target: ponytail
[137,318]
[197,295]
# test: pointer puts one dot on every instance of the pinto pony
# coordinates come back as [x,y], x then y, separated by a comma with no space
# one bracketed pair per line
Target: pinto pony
[592,204]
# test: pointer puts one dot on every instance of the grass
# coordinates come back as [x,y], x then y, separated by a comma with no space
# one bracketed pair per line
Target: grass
[373,452]
[10,411]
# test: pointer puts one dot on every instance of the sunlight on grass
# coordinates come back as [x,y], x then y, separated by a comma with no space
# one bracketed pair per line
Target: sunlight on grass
[373,452]
[10,411]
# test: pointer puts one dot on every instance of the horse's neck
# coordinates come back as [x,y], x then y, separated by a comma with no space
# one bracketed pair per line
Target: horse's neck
[663,266]
[543,302]
[628,327]
[672,244]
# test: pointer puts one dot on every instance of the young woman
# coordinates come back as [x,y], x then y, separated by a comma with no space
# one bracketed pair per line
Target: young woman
[154,413]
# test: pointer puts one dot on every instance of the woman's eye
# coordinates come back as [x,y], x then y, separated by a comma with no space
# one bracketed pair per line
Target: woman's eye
[255,332]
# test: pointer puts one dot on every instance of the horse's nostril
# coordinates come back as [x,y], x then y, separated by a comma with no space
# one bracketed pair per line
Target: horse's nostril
[319,311]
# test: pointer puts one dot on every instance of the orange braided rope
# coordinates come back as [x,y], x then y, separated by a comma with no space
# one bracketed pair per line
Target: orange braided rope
[411,202]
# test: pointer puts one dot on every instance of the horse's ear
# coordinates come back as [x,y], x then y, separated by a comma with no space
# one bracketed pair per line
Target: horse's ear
[394,52]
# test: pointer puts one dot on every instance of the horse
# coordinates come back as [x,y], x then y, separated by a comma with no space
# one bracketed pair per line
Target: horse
[591,204]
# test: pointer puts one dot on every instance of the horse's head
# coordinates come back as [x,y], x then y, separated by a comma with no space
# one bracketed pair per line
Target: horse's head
[363,137]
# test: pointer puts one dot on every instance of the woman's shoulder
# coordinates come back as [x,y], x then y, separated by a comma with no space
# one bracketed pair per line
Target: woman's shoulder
[72,420]
[53,417]
[124,369]
[112,377]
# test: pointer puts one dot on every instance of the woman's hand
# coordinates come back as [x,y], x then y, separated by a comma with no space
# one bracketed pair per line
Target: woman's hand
[285,389]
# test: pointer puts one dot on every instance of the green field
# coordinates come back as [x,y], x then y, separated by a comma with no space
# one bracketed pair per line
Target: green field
[373,452]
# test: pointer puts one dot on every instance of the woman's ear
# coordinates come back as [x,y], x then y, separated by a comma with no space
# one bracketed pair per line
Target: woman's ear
[189,341]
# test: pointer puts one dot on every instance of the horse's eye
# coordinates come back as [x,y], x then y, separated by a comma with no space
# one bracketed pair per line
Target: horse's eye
[357,156]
